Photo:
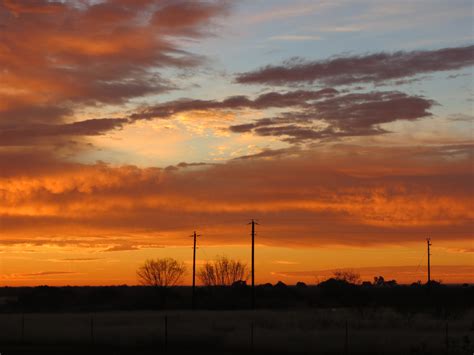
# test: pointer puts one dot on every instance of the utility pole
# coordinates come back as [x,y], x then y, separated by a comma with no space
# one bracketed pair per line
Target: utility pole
[194,236]
[253,223]
[428,244]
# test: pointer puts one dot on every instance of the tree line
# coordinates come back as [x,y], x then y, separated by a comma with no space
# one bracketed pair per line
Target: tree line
[223,271]
[168,272]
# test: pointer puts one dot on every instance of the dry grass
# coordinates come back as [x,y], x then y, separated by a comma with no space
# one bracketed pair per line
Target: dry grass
[311,331]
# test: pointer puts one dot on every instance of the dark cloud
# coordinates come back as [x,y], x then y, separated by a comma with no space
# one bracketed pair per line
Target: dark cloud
[367,109]
[321,114]
[20,113]
[263,101]
[341,116]
[28,134]
[100,243]
[184,165]
[294,133]
[271,153]
[372,68]
[315,115]
[45,273]
[124,247]
[130,246]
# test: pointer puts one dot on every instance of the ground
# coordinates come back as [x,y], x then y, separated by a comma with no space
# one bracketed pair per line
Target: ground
[322,331]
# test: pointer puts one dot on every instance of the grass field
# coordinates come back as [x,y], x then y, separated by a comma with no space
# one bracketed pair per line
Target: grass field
[321,331]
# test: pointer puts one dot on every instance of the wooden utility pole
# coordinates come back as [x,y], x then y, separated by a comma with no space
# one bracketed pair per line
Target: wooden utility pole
[428,244]
[253,223]
[194,236]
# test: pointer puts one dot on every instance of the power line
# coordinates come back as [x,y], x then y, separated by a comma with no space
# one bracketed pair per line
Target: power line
[422,260]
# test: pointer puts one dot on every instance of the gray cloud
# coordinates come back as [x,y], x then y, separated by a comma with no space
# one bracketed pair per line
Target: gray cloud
[372,68]
[341,116]
[29,133]
[264,101]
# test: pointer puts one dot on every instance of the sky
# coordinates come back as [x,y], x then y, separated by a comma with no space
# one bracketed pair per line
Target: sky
[343,127]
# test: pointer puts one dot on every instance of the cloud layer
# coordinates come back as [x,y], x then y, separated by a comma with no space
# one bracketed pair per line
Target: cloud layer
[308,199]
[311,115]
[371,68]
[341,116]
[60,58]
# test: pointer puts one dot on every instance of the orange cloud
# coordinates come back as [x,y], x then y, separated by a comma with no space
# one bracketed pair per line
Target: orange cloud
[317,201]
[59,58]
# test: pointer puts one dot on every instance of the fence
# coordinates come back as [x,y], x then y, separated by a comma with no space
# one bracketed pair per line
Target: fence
[326,331]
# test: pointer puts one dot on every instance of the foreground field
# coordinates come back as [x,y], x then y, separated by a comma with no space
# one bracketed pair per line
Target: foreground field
[322,331]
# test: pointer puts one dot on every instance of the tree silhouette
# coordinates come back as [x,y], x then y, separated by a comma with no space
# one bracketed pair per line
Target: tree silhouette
[349,276]
[223,272]
[379,281]
[165,272]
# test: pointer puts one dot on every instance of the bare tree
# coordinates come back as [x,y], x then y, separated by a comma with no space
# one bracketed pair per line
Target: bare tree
[223,272]
[347,275]
[165,272]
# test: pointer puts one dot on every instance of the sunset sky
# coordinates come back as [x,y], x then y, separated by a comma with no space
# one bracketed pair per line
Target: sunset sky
[344,127]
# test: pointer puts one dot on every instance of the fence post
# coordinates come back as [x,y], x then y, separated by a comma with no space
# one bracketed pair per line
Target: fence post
[447,338]
[92,329]
[251,336]
[22,329]
[346,339]
[166,333]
